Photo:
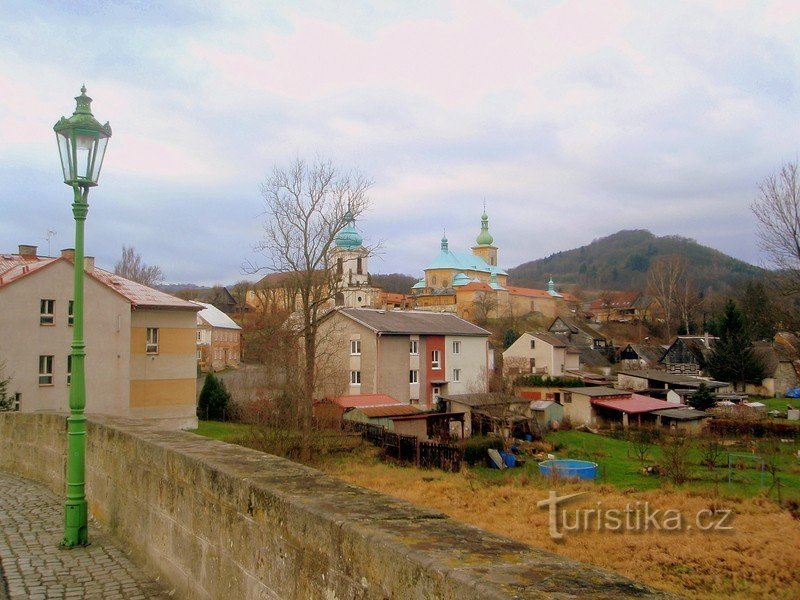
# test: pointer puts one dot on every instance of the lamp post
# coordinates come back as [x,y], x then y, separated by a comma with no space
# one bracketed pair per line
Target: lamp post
[81,144]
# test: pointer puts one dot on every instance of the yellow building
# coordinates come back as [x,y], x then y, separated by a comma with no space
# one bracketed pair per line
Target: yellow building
[473,285]
[140,342]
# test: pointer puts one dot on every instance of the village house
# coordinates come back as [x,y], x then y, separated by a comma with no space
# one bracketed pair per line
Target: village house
[593,346]
[672,386]
[780,362]
[641,356]
[413,356]
[688,354]
[541,354]
[620,307]
[140,342]
[219,344]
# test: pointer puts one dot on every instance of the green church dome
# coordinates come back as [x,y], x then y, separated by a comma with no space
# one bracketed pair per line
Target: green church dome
[484,237]
[348,237]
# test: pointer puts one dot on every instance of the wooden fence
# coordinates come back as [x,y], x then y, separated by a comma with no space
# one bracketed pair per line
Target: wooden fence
[408,448]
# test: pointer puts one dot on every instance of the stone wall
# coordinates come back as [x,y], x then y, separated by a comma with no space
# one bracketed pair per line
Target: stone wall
[222,521]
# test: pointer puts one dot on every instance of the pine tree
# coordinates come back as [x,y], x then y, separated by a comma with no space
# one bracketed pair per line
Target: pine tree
[732,357]
[214,398]
[702,398]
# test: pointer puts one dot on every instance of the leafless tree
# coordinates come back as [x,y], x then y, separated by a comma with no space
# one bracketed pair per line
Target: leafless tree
[663,283]
[777,209]
[305,207]
[687,302]
[131,266]
[6,400]
[484,306]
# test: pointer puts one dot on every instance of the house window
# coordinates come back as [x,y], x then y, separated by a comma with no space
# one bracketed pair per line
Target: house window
[567,397]
[199,335]
[152,340]
[359,267]
[433,280]
[339,266]
[18,399]
[70,313]
[355,377]
[69,369]
[45,370]
[47,310]
[199,354]
[413,376]
[413,347]
[413,401]
[456,347]
[355,347]
[456,375]
[533,344]
[435,359]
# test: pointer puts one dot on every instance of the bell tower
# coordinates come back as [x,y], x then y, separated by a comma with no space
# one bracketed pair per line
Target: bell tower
[484,243]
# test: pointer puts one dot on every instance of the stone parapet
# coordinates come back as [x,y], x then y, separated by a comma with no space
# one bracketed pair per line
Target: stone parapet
[223,521]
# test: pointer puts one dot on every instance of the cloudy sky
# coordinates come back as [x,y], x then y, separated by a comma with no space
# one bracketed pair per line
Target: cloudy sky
[572,120]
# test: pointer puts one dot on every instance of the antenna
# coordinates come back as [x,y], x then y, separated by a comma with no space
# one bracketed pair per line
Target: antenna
[50,234]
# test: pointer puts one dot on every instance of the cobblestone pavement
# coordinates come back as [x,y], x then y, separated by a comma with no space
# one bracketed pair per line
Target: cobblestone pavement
[34,567]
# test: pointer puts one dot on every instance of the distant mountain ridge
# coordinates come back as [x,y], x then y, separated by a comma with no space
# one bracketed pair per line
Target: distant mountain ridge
[620,262]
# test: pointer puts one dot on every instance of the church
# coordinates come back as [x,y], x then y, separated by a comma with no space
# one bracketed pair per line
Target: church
[474,286]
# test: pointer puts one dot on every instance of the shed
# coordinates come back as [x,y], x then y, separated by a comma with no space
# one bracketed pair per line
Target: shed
[380,415]
[684,419]
[547,412]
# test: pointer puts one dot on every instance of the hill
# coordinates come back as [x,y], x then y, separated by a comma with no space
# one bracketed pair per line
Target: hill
[394,282]
[621,261]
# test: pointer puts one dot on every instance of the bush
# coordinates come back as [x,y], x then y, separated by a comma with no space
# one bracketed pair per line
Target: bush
[740,428]
[214,399]
[547,381]
[475,448]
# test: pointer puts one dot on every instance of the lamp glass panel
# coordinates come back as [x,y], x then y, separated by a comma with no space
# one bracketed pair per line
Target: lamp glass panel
[63,151]
[100,153]
[84,144]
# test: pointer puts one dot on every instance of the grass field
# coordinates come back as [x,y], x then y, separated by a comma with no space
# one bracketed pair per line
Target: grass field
[227,432]
[759,557]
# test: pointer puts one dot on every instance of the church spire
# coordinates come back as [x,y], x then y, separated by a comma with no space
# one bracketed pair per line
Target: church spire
[484,237]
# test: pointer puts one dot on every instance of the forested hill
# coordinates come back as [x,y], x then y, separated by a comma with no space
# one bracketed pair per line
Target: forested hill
[621,261]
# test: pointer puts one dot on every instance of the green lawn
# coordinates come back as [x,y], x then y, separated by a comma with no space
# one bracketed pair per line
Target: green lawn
[620,467]
[218,430]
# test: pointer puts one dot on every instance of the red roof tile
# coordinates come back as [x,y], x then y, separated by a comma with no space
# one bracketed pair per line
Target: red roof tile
[389,411]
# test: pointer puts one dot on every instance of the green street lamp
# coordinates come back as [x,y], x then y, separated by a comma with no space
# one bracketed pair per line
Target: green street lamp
[81,144]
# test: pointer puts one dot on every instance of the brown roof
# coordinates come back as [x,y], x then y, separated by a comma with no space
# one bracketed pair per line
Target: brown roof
[14,267]
[636,404]
[476,286]
[404,322]
[597,391]
[362,400]
[550,338]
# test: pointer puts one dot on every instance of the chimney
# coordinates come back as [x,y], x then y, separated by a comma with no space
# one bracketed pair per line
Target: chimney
[88,263]
[25,250]
[69,254]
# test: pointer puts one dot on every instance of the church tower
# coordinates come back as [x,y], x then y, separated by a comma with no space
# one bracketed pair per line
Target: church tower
[349,261]
[485,247]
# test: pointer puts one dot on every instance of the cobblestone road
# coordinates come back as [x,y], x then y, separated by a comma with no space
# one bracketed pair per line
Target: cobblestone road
[32,566]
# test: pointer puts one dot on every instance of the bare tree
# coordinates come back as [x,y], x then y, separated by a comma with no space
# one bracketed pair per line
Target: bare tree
[663,282]
[484,307]
[777,209]
[6,400]
[687,301]
[305,209]
[130,266]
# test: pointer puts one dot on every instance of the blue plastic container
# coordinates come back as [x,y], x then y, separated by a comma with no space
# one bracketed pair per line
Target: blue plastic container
[509,459]
[569,468]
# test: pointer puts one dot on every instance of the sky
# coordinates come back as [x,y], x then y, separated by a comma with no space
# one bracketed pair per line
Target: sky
[571,120]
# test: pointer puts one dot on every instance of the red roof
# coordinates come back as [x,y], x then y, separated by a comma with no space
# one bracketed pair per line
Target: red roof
[476,286]
[365,400]
[636,404]
[389,411]
[531,293]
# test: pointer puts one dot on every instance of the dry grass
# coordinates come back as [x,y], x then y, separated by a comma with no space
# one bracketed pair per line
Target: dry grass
[759,558]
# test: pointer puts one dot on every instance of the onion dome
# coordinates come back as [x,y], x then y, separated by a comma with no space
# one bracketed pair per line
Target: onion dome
[348,237]
[484,237]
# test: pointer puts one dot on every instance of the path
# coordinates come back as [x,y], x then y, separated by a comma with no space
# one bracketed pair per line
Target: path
[32,566]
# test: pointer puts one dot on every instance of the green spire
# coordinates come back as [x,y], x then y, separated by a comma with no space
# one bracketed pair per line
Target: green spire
[484,237]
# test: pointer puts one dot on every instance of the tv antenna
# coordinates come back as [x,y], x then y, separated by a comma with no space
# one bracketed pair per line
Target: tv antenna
[51,233]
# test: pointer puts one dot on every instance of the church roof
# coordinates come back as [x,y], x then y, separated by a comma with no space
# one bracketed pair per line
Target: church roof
[463,261]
